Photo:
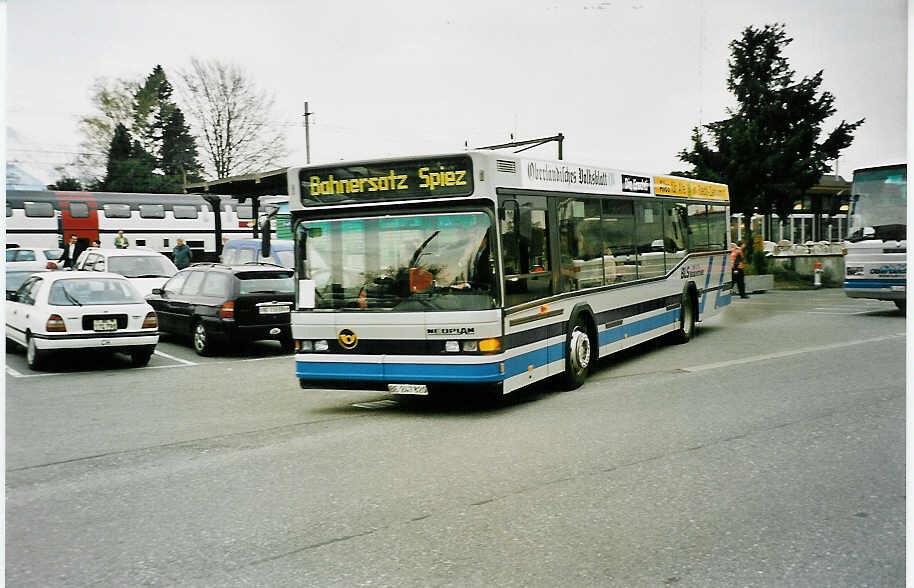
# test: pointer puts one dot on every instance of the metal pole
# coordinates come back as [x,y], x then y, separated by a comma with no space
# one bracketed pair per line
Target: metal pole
[307,135]
[561,138]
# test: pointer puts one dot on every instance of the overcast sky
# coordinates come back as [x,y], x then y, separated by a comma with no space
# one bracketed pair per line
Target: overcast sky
[624,80]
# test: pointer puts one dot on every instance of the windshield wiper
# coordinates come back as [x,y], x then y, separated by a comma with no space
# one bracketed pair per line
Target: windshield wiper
[70,297]
[151,276]
[418,253]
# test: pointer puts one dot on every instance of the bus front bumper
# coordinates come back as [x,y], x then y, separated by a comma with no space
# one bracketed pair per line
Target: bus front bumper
[376,372]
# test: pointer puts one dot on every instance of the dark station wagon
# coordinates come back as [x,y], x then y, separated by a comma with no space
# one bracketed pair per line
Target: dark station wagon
[223,305]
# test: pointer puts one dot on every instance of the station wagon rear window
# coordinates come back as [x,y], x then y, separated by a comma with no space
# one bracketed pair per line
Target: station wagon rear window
[266,282]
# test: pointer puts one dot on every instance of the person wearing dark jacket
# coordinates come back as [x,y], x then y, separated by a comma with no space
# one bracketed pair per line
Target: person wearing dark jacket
[181,254]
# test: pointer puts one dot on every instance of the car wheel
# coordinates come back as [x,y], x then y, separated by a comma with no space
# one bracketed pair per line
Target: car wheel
[141,357]
[11,345]
[578,354]
[34,356]
[202,343]
[686,319]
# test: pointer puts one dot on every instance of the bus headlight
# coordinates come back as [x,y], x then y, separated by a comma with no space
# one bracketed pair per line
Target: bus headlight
[471,346]
[304,345]
[452,346]
[321,345]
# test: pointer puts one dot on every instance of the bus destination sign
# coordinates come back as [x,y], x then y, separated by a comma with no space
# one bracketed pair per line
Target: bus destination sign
[447,176]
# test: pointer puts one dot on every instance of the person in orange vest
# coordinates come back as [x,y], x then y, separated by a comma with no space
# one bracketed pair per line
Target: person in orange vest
[738,262]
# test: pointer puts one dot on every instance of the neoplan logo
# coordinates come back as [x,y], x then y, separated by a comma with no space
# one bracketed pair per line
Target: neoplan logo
[348,339]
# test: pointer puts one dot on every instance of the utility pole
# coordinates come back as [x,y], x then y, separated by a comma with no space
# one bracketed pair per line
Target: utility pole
[307,135]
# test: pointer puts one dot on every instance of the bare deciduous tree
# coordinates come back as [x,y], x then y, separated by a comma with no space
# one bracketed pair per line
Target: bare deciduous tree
[113,102]
[231,119]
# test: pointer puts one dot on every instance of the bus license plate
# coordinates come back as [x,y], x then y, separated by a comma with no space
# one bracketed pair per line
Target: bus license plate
[414,389]
[273,309]
[104,325]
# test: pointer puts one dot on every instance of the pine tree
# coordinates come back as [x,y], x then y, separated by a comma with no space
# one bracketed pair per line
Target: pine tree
[768,151]
[179,151]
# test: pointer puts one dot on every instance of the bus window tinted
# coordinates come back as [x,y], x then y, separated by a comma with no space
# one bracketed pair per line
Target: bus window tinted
[619,240]
[649,216]
[698,224]
[526,254]
[580,243]
[675,232]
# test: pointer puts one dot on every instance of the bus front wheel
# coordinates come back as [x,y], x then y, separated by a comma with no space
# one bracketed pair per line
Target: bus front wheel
[578,354]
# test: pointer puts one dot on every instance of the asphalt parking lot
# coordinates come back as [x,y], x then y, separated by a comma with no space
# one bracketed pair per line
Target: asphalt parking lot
[171,352]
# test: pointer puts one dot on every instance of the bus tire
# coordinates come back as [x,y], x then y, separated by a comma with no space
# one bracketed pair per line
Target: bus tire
[579,353]
[687,314]
[901,304]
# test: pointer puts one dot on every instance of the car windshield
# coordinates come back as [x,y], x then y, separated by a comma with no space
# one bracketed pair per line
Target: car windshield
[400,264]
[53,254]
[92,291]
[266,282]
[141,266]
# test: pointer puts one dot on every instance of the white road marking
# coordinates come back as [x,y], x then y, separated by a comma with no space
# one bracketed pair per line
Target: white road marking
[172,357]
[14,373]
[376,404]
[754,358]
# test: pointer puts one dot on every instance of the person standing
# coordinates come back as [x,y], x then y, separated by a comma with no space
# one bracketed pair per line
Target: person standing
[70,252]
[121,242]
[181,254]
[738,257]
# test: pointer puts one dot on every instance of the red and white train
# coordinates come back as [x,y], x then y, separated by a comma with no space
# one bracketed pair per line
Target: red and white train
[47,219]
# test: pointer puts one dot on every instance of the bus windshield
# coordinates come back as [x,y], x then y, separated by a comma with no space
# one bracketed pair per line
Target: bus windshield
[878,208]
[427,262]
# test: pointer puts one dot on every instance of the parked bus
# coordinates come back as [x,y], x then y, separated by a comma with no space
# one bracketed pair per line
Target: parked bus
[47,219]
[479,268]
[875,264]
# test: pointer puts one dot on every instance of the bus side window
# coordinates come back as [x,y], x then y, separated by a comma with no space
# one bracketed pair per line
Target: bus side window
[698,222]
[675,232]
[526,251]
[580,244]
[619,240]
[649,242]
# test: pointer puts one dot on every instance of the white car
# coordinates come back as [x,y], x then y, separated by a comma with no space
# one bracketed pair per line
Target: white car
[32,258]
[56,311]
[146,269]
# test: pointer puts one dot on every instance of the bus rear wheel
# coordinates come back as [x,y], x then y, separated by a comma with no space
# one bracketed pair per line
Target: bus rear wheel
[901,304]
[686,319]
[579,352]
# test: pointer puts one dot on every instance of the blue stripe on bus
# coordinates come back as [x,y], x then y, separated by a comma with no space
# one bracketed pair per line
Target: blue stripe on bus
[399,372]
[886,283]
[704,294]
[466,373]
[717,302]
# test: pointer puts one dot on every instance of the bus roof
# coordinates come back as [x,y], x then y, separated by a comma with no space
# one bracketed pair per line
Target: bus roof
[509,170]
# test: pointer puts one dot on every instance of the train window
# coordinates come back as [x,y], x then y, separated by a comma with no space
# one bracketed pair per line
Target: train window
[245,212]
[39,209]
[152,211]
[185,211]
[117,211]
[79,210]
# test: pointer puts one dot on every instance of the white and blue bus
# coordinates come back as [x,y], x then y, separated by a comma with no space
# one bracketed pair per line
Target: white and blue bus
[479,268]
[876,262]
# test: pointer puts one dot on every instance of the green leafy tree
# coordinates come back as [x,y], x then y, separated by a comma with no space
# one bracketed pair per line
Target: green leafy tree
[67,184]
[112,101]
[770,150]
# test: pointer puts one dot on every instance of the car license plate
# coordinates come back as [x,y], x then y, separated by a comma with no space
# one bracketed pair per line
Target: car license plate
[414,389]
[104,325]
[274,309]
